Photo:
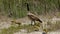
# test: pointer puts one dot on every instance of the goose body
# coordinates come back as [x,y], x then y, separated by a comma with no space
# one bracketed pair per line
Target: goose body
[31,16]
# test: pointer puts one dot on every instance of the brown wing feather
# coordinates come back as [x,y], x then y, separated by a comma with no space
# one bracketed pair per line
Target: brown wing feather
[32,17]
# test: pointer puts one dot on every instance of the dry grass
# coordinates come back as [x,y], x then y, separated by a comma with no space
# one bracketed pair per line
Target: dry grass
[54,27]
[12,28]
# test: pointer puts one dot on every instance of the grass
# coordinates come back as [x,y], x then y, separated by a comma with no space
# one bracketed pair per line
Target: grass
[18,8]
[12,29]
[54,27]
[29,28]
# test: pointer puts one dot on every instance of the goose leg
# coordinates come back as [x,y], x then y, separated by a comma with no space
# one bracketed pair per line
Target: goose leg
[34,22]
[31,22]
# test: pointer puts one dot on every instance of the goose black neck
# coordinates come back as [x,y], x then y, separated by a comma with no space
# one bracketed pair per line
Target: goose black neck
[28,7]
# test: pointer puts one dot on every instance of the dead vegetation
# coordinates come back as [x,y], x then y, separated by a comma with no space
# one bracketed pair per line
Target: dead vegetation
[52,26]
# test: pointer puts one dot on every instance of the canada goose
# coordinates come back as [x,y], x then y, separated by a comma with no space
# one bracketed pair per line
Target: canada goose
[31,16]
